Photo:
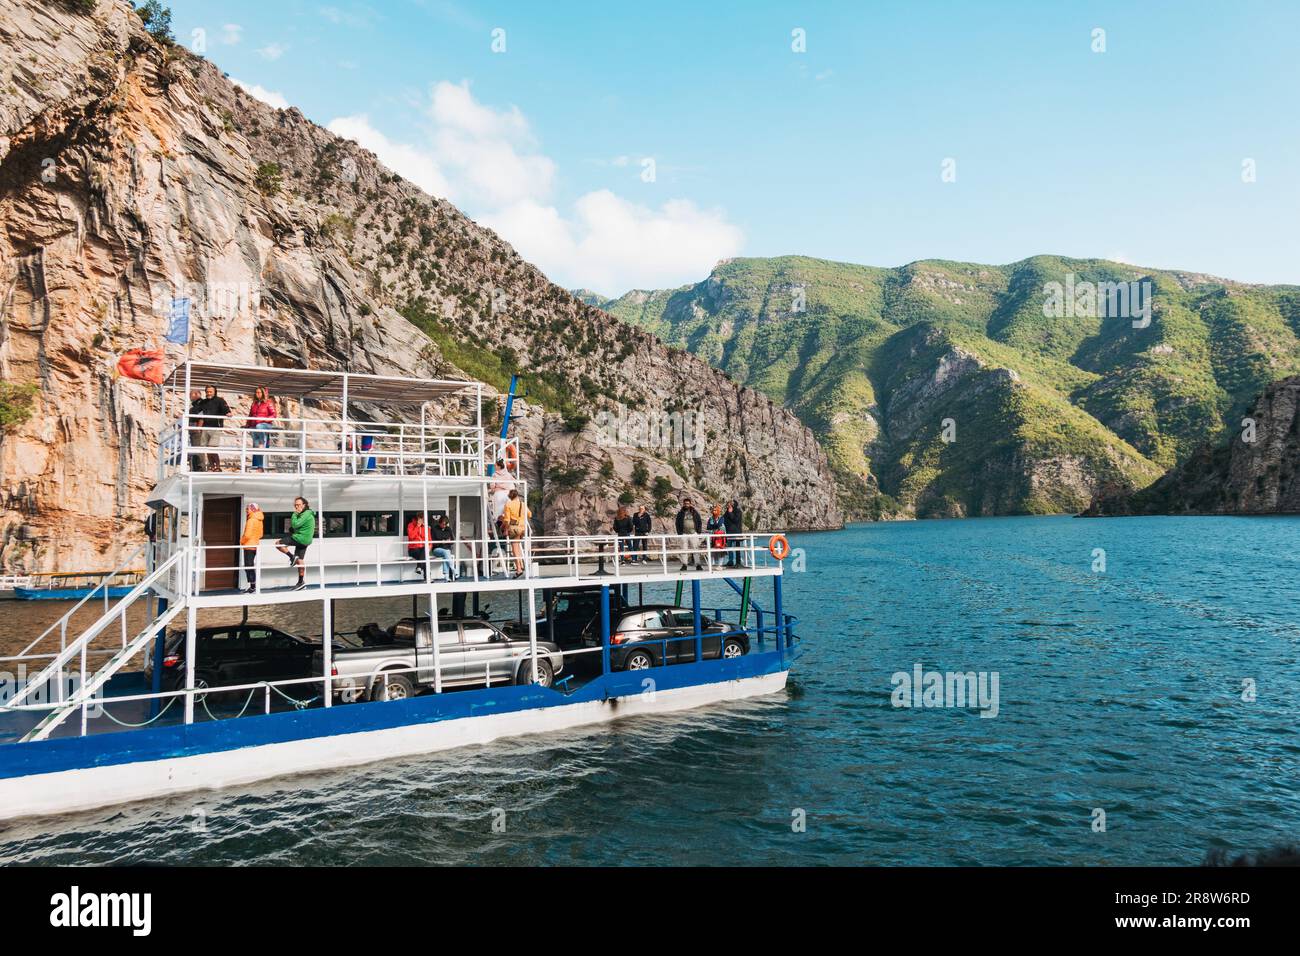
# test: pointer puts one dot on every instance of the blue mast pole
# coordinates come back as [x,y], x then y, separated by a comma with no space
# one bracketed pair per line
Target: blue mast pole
[505,421]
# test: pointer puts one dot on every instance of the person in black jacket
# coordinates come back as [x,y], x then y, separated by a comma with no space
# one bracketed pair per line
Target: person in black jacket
[441,536]
[192,423]
[214,410]
[688,530]
[731,519]
[640,531]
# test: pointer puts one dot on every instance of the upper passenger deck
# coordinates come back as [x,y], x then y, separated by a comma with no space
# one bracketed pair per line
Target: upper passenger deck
[315,427]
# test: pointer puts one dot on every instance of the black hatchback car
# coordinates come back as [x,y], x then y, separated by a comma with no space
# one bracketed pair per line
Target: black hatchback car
[653,634]
[236,654]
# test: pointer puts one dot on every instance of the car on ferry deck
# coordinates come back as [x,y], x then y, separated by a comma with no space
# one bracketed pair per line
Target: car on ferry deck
[236,654]
[650,635]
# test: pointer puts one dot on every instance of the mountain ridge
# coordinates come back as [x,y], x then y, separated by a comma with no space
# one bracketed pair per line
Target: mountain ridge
[818,335]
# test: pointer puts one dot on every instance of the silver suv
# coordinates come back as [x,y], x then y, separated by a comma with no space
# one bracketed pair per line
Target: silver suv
[397,663]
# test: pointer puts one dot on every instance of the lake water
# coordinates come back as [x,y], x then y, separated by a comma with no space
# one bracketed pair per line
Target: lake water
[1119,690]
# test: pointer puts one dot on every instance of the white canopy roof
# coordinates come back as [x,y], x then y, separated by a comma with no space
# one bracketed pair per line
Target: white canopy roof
[325,492]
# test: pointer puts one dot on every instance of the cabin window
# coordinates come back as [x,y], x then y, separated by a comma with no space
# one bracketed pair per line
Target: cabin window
[376,524]
[338,524]
[276,524]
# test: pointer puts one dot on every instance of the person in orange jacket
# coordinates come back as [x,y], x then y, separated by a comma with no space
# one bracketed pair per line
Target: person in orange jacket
[254,518]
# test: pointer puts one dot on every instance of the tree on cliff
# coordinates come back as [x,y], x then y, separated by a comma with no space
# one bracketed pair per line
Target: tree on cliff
[157,19]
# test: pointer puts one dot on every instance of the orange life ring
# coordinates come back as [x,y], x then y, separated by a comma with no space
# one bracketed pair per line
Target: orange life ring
[779,547]
[512,459]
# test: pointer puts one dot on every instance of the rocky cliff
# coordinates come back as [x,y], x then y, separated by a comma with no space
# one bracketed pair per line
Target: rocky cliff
[1256,472]
[132,171]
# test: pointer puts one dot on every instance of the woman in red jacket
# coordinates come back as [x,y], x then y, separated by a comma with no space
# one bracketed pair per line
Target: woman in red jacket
[261,419]
[417,541]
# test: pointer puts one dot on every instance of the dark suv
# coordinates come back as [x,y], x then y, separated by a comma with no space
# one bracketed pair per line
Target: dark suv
[653,634]
[575,614]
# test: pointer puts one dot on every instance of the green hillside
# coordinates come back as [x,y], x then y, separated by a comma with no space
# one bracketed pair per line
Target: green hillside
[1045,403]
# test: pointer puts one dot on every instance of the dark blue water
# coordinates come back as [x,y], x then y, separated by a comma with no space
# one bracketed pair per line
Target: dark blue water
[1120,691]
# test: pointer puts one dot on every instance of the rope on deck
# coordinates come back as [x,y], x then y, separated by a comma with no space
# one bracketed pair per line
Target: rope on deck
[299,704]
[242,710]
[127,723]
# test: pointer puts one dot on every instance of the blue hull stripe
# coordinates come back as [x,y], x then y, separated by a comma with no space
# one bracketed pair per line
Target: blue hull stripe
[65,594]
[162,743]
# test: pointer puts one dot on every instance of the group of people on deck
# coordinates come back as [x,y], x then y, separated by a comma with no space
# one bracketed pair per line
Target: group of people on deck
[712,538]
[207,416]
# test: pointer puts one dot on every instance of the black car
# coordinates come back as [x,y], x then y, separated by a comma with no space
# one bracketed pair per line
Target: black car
[238,654]
[653,634]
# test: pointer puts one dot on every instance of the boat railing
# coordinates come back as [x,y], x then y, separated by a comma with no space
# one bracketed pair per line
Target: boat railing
[766,634]
[298,445]
[127,567]
[53,673]
[388,561]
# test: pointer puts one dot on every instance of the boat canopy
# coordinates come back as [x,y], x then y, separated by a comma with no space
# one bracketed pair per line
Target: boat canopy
[309,383]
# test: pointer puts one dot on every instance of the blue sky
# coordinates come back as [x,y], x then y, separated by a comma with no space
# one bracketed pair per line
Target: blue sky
[1135,153]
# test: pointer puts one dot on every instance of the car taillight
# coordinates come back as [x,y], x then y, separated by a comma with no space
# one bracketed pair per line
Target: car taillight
[334,672]
[618,638]
[171,660]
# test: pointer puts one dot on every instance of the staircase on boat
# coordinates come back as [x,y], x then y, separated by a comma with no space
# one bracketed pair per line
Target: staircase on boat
[54,675]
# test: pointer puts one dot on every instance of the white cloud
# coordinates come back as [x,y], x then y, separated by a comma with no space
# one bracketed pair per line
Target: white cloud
[269,97]
[231,34]
[408,162]
[486,160]
[611,244]
[272,51]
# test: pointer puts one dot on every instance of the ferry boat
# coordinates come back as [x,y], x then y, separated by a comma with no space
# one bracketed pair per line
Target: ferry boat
[126,707]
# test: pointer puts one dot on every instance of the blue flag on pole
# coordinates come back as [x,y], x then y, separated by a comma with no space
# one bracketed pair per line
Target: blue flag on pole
[178,330]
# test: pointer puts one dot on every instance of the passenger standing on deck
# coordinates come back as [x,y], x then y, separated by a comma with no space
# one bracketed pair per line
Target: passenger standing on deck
[302,531]
[214,411]
[197,462]
[623,529]
[499,491]
[735,527]
[261,419]
[641,530]
[516,515]
[254,519]
[441,535]
[688,531]
[417,541]
[716,527]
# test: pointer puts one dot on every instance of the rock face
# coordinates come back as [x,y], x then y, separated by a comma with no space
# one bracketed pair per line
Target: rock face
[132,171]
[1256,473]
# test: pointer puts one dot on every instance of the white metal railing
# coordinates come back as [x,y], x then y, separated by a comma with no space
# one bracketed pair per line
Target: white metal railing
[388,561]
[61,625]
[79,647]
[297,445]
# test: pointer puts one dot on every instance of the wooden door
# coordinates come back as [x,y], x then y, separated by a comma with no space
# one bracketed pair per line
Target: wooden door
[221,529]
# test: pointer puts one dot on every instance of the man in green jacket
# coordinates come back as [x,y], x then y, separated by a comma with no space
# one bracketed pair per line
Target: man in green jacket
[302,531]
